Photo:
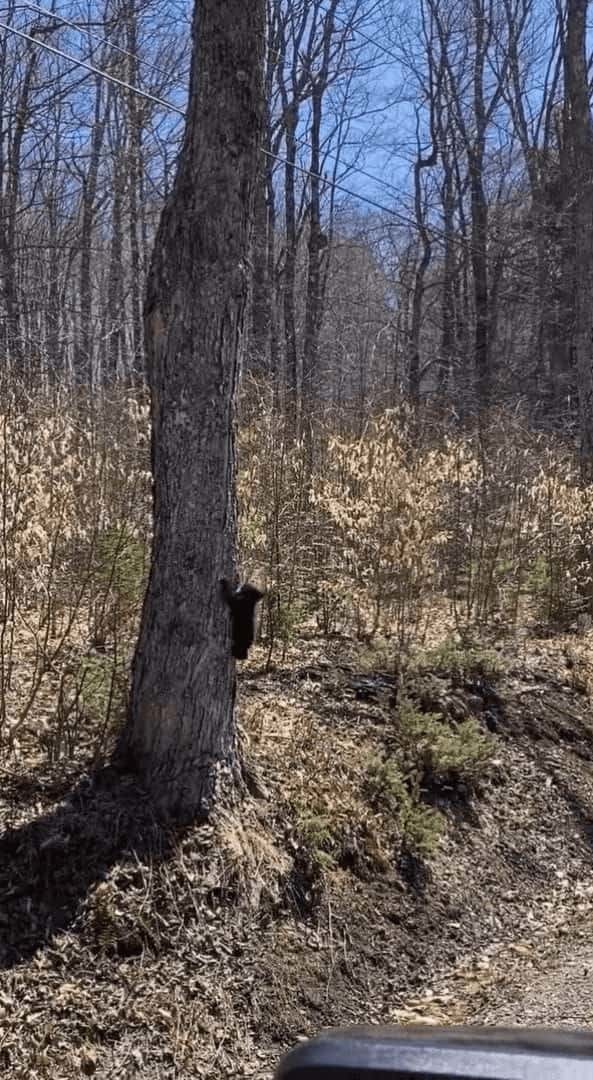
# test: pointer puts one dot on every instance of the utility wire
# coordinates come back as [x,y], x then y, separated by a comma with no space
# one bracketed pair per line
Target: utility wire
[370,40]
[91,67]
[152,67]
[333,183]
[174,108]
[167,104]
[347,25]
[81,29]
[402,219]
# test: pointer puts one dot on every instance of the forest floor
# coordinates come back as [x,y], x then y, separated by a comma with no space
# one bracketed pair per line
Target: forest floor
[130,950]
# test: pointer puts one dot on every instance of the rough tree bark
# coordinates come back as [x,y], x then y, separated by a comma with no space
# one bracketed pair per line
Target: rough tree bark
[421,163]
[448,303]
[261,298]
[579,166]
[479,208]
[134,167]
[180,734]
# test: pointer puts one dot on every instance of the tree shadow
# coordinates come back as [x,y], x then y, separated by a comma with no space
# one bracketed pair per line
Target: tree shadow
[48,865]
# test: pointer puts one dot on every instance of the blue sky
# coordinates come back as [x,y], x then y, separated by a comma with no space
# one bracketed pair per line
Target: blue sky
[381,134]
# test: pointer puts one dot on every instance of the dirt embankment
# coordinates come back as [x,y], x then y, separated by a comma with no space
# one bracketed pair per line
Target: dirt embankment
[126,948]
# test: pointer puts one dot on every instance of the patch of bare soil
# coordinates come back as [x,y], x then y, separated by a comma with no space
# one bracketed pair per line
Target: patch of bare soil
[541,979]
[128,949]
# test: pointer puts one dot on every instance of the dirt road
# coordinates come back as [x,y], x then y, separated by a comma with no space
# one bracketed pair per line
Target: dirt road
[546,978]
[560,994]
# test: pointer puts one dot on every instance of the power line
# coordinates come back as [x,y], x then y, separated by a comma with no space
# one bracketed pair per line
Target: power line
[333,183]
[138,59]
[90,33]
[350,167]
[370,40]
[91,67]
[402,219]
[174,108]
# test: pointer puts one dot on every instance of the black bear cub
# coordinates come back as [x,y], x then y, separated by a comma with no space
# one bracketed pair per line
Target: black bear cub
[241,600]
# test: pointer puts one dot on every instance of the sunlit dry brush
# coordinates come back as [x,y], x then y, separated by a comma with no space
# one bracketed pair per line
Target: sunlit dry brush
[74,529]
[378,504]
[370,533]
[362,533]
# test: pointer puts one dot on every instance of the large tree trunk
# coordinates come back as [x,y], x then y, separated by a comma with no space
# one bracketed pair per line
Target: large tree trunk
[414,372]
[316,248]
[579,159]
[180,735]
[448,302]
[134,155]
[317,252]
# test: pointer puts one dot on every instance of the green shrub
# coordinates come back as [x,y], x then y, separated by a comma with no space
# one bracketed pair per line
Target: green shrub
[379,655]
[100,689]
[419,826]
[119,573]
[316,832]
[385,783]
[537,578]
[439,751]
[459,661]
[422,829]
[120,564]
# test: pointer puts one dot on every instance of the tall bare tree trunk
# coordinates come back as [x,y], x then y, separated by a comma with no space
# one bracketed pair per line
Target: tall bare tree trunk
[290,263]
[261,300]
[317,241]
[9,208]
[134,154]
[479,237]
[116,312]
[579,160]
[180,734]
[425,255]
[447,347]
[84,363]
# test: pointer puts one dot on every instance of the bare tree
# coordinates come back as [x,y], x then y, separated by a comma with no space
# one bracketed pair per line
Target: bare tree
[578,173]
[476,67]
[89,185]
[180,733]
[11,162]
[423,162]
[534,128]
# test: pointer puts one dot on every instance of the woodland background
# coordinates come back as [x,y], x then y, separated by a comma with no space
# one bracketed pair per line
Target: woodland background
[415,430]
[414,452]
